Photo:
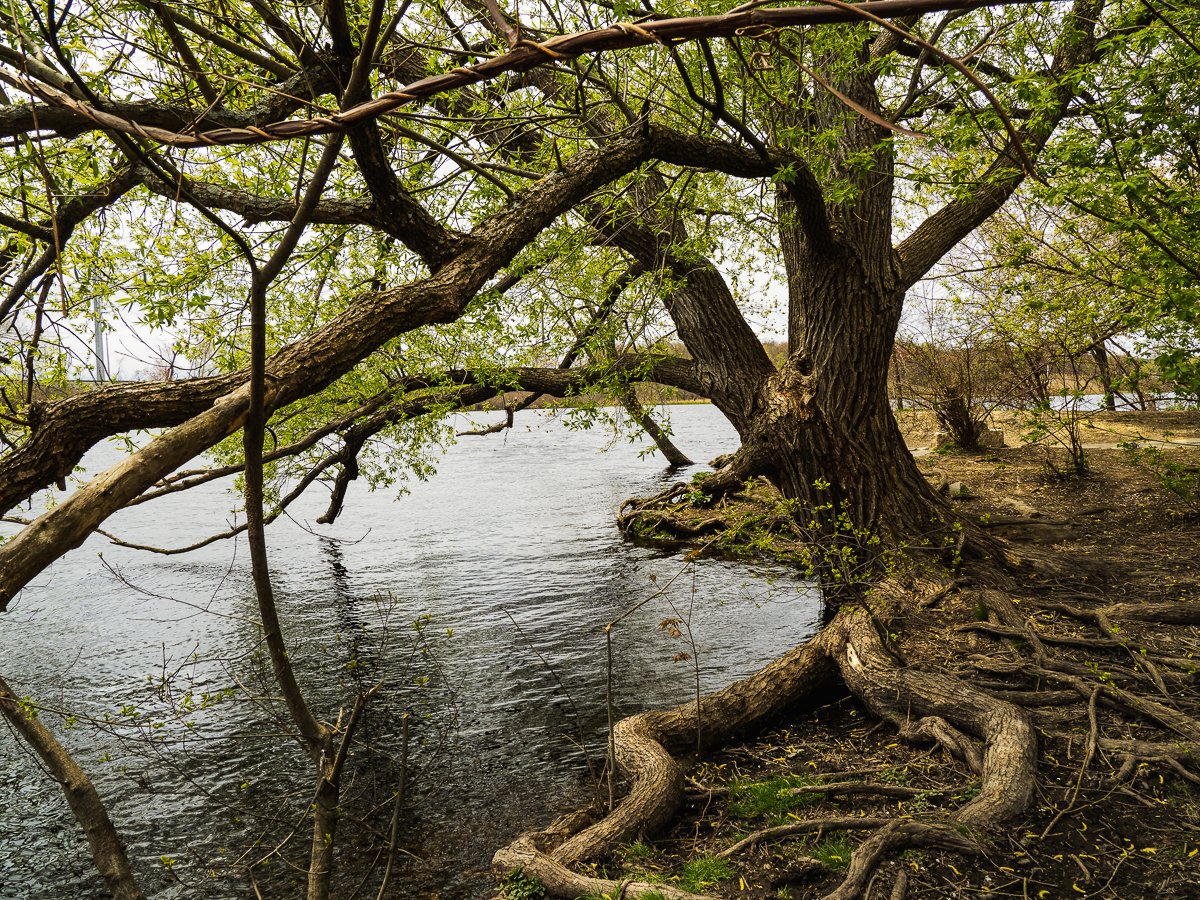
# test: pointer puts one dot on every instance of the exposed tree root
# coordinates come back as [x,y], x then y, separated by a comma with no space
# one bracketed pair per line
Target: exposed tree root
[1055,667]
[640,515]
[808,826]
[861,788]
[946,710]
[644,744]
[559,881]
[898,693]
[941,732]
[898,834]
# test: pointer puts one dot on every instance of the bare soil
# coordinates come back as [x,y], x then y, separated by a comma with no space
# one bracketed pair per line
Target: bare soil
[1096,428]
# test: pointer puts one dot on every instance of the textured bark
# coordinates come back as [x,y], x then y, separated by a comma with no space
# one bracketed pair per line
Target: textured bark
[68,525]
[673,455]
[821,428]
[305,367]
[899,693]
[730,363]
[896,835]
[559,881]
[523,57]
[325,821]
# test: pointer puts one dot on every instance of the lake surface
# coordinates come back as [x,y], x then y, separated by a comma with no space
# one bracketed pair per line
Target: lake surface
[508,562]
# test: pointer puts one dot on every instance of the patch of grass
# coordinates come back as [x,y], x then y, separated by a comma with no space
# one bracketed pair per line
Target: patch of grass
[970,792]
[705,871]
[641,862]
[637,853]
[834,851]
[771,799]
[921,803]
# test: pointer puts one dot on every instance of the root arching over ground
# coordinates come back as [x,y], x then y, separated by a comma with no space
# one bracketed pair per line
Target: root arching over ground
[1030,734]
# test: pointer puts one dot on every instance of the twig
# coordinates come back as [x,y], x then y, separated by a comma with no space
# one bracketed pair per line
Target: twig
[400,788]
[769,834]
[1093,739]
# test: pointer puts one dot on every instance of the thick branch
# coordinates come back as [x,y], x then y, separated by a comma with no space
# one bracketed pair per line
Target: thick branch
[281,100]
[730,360]
[312,364]
[254,208]
[66,219]
[399,213]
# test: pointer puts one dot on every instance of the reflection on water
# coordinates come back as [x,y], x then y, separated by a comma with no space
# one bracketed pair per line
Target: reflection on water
[511,554]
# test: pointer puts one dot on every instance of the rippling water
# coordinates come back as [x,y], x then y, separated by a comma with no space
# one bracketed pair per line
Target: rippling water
[511,552]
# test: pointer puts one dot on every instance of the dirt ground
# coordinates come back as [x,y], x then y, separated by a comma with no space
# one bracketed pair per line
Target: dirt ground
[1105,822]
[1097,429]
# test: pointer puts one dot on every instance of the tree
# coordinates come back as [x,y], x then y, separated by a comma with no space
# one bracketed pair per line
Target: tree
[422,269]
[1112,225]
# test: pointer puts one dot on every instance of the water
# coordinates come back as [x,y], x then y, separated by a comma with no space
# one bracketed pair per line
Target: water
[509,551]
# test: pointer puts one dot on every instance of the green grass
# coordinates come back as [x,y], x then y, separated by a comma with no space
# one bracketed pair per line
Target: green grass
[771,799]
[705,871]
[641,862]
[834,851]
[637,852]
[897,775]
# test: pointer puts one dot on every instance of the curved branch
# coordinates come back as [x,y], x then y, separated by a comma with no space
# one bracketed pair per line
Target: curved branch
[729,358]
[67,218]
[282,100]
[525,56]
[256,208]
[400,214]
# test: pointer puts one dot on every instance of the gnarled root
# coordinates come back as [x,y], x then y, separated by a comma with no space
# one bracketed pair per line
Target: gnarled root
[644,754]
[899,834]
[559,881]
[941,732]
[655,793]
[656,512]
[898,693]
[644,744]
[925,705]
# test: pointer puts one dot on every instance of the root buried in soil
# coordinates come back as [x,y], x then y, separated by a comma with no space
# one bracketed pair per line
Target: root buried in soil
[1028,735]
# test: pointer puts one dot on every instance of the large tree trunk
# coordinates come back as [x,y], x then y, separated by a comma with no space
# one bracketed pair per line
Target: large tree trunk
[825,433]
[828,430]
